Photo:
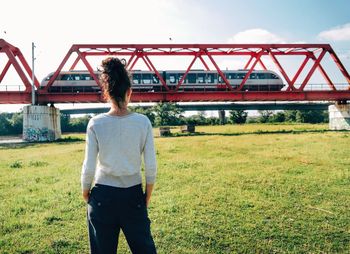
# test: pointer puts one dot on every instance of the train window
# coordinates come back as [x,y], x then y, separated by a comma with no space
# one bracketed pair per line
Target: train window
[261,75]
[210,78]
[76,77]
[155,79]
[271,76]
[230,75]
[48,77]
[241,75]
[136,78]
[253,76]
[66,77]
[146,78]
[86,77]
[179,77]
[220,79]
[172,78]
[191,78]
[201,78]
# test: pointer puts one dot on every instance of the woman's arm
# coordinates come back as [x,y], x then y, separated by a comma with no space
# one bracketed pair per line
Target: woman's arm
[89,164]
[150,163]
[86,195]
[149,189]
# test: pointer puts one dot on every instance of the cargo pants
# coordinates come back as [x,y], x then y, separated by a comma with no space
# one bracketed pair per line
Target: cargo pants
[111,209]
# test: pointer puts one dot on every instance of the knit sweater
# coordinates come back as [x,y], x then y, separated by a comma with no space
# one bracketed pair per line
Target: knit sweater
[114,149]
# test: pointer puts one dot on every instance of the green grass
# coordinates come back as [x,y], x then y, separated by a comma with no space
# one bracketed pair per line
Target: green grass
[230,189]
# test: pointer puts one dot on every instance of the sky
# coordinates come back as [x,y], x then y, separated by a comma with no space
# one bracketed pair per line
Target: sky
[55,25]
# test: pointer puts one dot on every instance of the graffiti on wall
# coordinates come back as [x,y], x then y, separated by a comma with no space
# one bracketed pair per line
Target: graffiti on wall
[38,134]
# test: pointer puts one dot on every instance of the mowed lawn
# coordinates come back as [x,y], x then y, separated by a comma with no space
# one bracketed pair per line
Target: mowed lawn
[231,189]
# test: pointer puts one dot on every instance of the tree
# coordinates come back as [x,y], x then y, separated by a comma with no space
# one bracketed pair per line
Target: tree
[145,111]
[238,116]
[279,117]
[79,124]
[196,119]
[311,116]
[167,114]
[5,125]
[65,123]
[213,120]
[290,115]
[16,122]
[265,116]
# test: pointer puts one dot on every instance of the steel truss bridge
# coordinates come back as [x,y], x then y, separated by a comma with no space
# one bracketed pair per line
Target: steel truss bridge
[207,54]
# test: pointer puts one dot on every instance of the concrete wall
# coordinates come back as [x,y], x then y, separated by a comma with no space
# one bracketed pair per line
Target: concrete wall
[339,117]
[41,123]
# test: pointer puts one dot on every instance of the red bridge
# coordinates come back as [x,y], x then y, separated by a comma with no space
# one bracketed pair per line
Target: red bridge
[205,53]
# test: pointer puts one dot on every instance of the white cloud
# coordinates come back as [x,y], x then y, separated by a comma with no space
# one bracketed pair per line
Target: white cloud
[345,55]
[256,35]
[340,33]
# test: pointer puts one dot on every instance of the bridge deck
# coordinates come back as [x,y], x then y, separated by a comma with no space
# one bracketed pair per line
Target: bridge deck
[44,98]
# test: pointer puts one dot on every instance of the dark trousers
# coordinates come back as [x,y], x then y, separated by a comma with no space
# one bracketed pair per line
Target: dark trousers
[111,209]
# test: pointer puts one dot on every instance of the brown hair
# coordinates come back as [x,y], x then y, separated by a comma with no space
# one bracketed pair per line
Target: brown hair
[115,80]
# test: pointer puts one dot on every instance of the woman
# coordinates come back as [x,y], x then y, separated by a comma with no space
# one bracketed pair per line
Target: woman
[115,141]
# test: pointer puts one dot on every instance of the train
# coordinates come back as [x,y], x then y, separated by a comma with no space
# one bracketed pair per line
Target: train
[148,81]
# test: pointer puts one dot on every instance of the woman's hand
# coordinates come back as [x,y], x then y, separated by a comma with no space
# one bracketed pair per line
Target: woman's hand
[86,195]
[149,189]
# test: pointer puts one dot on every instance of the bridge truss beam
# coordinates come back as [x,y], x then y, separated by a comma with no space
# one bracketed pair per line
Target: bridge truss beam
[16,59]
[207,54]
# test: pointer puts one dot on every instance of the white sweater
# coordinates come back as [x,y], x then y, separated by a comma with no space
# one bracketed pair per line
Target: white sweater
[114,148]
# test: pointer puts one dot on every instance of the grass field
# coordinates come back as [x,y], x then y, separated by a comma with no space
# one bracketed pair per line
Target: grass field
[228,189]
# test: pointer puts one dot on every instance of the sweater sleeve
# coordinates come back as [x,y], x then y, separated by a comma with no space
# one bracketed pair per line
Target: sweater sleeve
[149,156]
[89,164]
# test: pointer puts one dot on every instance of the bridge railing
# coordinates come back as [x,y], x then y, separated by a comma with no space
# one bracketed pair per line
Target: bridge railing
[12,88]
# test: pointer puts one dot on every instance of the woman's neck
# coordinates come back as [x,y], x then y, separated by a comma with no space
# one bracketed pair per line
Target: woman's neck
[116,111]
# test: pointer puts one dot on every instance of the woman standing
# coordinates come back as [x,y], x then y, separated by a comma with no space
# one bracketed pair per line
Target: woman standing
[115,143]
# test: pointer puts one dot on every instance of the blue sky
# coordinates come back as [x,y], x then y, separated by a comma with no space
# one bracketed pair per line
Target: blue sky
[55,25]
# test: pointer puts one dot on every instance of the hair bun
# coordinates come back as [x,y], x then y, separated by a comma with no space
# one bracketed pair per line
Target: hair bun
[115,79]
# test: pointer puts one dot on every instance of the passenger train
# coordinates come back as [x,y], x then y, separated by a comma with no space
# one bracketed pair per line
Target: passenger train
[147,81]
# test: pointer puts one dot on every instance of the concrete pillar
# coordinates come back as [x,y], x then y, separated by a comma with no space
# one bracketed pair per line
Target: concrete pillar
[41,123]
[222,117]
[339,116]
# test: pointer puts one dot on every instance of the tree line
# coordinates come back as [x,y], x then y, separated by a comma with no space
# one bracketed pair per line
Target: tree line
[169,114]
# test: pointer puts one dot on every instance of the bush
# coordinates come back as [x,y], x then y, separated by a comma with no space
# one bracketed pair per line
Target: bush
[279,117]
[238,116]
[167,114]
[312,116]
[265,116]
[5,125]
[196,119]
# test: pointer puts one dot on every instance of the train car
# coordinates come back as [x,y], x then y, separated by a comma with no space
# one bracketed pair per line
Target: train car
[72,81]
[82,81]
[148,81]
[199,80]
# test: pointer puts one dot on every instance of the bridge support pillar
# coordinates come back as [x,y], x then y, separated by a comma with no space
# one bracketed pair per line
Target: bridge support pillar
[222,117]
[41,123]
[339,116]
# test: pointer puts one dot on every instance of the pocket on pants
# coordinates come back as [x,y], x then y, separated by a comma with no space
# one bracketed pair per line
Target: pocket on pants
[137,205]
[100,207]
